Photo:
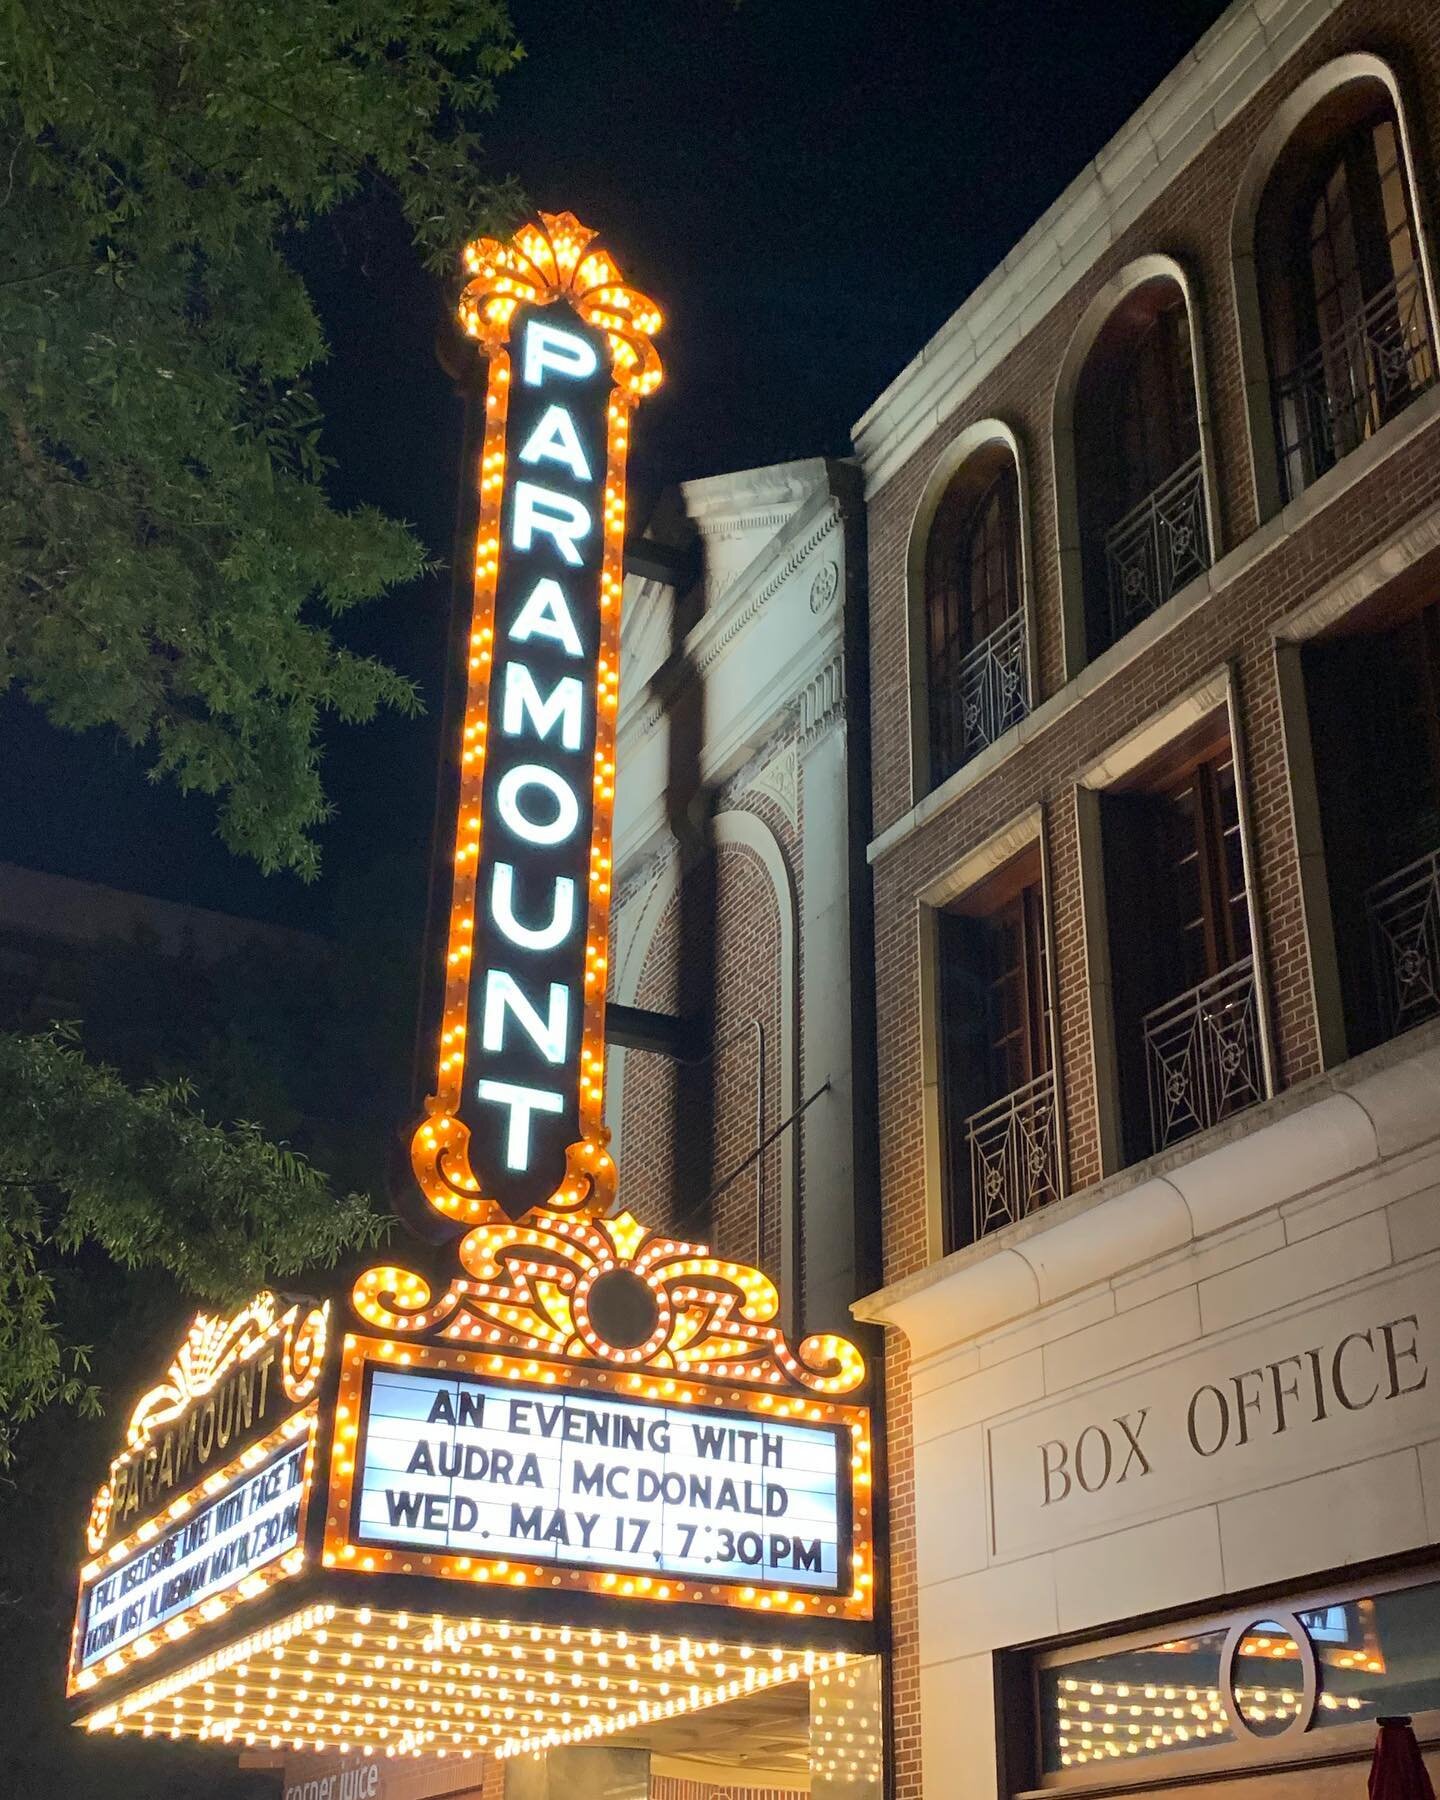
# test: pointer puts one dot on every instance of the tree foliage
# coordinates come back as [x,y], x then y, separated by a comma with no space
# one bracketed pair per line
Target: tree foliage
[143,1176]
[171,563]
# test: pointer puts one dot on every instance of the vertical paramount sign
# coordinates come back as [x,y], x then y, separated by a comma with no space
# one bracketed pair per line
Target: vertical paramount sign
[580,1425]
[517,1115]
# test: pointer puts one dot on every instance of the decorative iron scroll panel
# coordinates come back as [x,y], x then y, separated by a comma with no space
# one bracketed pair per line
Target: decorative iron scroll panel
[1158,546]
[1014,1155]
[1364,371]
[1202,1051]
[1404,913]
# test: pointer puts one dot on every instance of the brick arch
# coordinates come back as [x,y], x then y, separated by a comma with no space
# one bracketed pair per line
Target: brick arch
[1142,272]
[1359,67]
[983,434]
[737,838]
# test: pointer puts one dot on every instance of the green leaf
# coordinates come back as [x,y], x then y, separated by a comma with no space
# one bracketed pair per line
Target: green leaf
[169,551]
[140,1174]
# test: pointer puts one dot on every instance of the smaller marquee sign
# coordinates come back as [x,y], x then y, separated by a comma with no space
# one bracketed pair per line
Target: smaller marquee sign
[253,1519]
[205,1506]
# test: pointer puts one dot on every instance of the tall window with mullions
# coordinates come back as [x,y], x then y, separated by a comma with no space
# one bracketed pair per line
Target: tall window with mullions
[1140,481]
[1374,705]
[976,674]
[1348,330]
[1187,1024]
[999,1127]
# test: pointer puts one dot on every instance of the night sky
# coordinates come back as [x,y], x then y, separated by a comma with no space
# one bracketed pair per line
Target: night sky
[808,189]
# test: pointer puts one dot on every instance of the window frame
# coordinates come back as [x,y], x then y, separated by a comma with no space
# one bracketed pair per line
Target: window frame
[1126,763]
[1248,317]
[971,873]
[1014,894]
[1216,902]
[962,520]
[1349,1009]
[1331,1744]
[1144,377]
[975,438]
[1142,272]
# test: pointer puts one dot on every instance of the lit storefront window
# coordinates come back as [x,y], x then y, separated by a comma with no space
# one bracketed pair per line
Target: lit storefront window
[1146,1702]
[1253,1684]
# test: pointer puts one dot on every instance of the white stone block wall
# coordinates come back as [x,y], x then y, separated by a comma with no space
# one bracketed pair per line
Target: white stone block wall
[1285,1284]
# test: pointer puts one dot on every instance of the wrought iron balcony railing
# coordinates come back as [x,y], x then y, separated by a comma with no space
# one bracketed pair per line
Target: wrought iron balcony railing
[1361,374]
[979,696]
[1202,1055]
[1014,1155]
[1404,914]
[1157,547]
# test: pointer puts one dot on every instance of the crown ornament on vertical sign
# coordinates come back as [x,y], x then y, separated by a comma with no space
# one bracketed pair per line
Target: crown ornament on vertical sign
[513,1145]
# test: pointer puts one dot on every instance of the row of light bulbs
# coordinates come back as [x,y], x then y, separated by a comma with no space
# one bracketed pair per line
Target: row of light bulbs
[846,1735]
[543,262]
[1098,1720]
[343,1679]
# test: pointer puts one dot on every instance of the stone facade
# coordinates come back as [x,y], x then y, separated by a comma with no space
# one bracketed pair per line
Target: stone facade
[1144,1280]
[735,858]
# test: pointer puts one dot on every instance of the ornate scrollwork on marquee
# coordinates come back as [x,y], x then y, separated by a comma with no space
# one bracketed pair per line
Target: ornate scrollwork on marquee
[556,1285]
[213,1346]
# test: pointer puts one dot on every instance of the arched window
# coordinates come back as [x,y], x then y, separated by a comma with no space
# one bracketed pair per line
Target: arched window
[1140,482]
[976,676]
[1348,335]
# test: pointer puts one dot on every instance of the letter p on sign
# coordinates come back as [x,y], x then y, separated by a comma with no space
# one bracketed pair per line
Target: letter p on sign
[548,347]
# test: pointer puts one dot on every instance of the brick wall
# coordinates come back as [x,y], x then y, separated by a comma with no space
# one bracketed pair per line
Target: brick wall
[1190,223]
[904,1665]
[715,954]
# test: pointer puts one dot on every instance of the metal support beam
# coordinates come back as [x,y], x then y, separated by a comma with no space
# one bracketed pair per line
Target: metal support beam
[634,1028]
[677,565]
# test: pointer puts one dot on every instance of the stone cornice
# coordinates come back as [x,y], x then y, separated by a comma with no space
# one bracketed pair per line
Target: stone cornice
[715,503]
[1328,1129]
[750,593]
[705,647]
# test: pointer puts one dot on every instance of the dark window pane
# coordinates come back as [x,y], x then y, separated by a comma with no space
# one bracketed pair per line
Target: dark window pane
[1346,314]
[1377,1656]
[995,1044]
[1155,408]
[972,587]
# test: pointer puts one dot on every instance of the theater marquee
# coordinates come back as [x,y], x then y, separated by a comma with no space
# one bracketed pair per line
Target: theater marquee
[584,1440]
[469,1466]
[205,1506]
[690,1455]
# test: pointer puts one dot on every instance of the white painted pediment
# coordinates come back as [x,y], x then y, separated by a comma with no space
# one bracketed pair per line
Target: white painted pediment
[765,620]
